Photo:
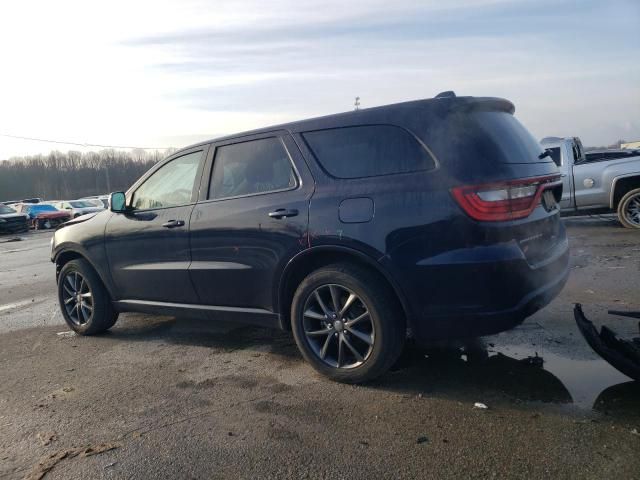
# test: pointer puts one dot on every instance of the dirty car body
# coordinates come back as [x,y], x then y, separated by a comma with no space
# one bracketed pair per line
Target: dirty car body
[465,238]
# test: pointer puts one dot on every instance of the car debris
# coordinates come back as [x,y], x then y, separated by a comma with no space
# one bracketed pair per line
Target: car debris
[66,334]
[47,463]
[623,354]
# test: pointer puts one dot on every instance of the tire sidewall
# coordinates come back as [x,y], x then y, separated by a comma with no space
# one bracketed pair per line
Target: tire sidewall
[622,207]
[101,303]
[376,310]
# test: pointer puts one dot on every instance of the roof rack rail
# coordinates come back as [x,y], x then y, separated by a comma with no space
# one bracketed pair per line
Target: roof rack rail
[447,94]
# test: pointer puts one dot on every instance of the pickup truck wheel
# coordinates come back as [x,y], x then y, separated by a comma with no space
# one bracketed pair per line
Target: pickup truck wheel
[347,324]
[629,209]
[84,301]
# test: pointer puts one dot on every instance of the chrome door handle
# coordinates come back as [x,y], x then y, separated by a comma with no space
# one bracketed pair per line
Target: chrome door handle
[283,212]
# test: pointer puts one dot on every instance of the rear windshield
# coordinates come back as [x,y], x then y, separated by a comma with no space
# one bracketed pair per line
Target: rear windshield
[368,151]
[507,139]
[556,156]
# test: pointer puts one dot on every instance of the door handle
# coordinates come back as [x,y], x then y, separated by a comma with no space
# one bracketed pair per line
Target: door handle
[563,175]
[173,224]
[283,212]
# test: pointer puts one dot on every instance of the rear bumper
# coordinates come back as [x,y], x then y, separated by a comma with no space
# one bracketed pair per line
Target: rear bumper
[482,291]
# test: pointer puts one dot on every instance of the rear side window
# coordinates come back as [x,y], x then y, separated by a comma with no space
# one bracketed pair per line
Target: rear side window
[247,168]
[368,151]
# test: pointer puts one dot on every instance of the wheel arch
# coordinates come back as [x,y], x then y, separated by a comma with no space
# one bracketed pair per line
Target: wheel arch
[315,257]
[65,256]
[621,185]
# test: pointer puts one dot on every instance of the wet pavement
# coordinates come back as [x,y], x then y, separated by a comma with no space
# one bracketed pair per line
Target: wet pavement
[186,399]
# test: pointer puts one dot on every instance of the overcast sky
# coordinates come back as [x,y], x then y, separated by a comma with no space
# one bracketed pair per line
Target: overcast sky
[169,73]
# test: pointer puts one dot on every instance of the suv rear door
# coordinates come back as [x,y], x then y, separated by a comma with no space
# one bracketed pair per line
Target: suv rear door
[251,220]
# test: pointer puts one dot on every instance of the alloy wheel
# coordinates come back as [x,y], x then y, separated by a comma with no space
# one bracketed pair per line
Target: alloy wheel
[77,298]
[632,210]
[338,326]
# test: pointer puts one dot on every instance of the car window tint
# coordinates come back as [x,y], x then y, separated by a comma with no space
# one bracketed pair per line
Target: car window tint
[555,155]
[171,185]
[246,168]
[368,151]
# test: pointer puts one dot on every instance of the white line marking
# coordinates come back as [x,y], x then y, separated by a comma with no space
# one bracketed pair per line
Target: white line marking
[10,306]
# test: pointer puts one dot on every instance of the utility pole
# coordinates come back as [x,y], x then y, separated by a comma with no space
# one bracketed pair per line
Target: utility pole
[357,103]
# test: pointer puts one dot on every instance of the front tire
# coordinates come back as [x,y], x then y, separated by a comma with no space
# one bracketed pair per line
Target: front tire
[84,301]
[347,323]
[629,209]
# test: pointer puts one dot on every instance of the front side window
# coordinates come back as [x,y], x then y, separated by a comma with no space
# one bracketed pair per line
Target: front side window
[368,151]
[257,166]
[170,186]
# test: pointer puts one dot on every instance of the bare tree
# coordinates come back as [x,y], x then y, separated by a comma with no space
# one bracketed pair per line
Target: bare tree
[73,174]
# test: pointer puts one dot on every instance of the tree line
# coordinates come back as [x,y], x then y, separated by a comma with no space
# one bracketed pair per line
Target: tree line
[71,175]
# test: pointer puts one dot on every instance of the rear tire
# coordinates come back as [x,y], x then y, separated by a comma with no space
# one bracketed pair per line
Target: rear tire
[629,209]
[84,301]
[356,314]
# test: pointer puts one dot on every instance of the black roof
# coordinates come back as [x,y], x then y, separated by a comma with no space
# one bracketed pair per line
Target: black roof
[435,107]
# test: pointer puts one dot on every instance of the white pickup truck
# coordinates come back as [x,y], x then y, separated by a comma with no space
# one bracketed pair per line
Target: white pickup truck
[597,184]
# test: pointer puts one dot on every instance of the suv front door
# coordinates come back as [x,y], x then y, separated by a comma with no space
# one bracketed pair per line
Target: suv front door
[252,219]
[148,246]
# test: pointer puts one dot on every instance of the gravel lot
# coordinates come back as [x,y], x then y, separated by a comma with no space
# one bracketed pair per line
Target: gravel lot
[181,399]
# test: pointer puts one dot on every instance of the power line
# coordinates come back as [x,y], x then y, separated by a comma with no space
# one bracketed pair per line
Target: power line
[79,144]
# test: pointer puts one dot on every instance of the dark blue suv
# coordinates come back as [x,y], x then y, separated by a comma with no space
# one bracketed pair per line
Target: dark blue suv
[437,217]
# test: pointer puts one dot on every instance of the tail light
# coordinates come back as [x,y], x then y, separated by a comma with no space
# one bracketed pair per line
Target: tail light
[507,200]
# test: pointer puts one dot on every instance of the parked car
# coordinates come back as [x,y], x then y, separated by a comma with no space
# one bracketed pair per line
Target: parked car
[11,221]
[436,216]
[98,200]
[77,207]
[597,183]
[42,215]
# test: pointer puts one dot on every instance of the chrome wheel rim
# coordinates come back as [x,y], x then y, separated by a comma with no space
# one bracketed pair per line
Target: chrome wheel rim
[632,210]
[338,326]
[77,298]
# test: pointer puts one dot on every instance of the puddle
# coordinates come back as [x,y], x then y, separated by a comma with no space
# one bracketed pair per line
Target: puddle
[585,380]
[479,370]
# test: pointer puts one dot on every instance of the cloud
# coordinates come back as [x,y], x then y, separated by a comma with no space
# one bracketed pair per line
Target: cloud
[158,73]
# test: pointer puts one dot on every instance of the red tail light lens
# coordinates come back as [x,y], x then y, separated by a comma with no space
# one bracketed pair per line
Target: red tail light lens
[504,200]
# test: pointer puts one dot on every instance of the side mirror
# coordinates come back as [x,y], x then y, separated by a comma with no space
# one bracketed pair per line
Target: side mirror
[118,202]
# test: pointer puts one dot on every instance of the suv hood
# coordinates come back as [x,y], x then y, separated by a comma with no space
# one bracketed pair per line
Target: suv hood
[81,218]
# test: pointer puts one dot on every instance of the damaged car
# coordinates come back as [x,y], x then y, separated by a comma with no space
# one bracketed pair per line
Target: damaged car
[621,353]
[78,208]
[44,216]
[437,216]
